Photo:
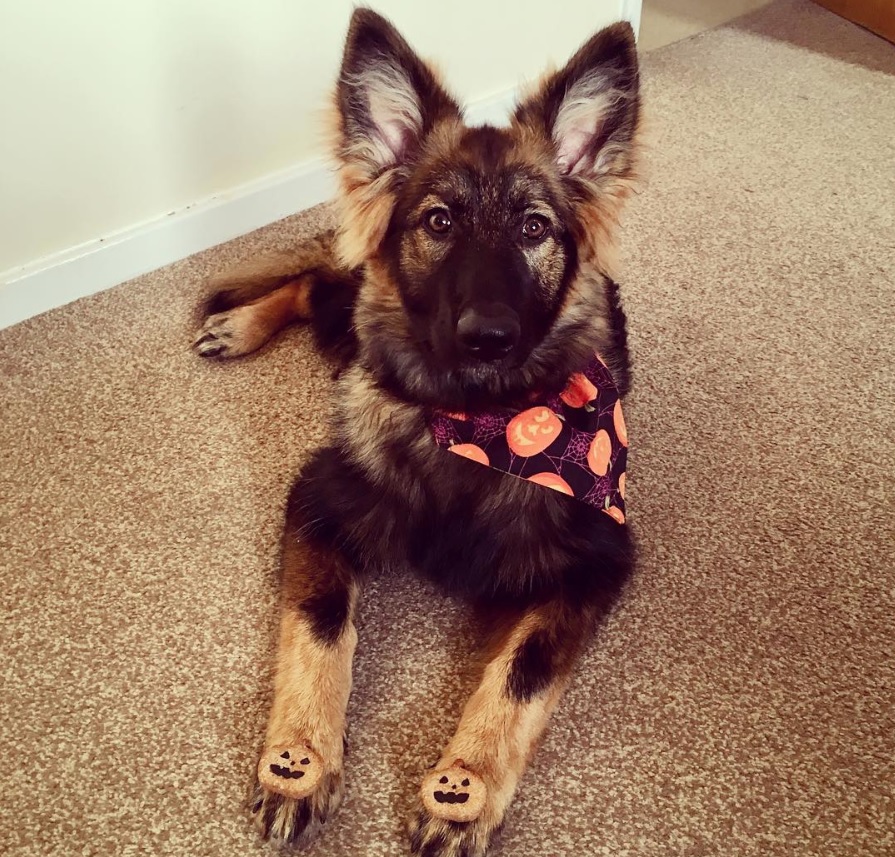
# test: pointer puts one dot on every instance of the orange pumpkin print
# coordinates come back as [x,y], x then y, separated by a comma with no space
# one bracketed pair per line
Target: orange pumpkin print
[618,418]
[600,452]
[532,431]
[621,485]
[552,480]
[616,514]
[471,451]
[579,391]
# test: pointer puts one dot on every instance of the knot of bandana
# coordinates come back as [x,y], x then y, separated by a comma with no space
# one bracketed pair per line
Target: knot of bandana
[574,442]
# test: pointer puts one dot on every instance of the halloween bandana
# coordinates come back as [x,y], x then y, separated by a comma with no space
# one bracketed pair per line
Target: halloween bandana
[574,442]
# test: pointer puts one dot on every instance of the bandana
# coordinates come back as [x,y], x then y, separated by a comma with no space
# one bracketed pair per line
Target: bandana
[574,442]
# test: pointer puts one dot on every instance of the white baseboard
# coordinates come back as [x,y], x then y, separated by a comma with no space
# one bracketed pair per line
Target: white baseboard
[98,265]
[101,264]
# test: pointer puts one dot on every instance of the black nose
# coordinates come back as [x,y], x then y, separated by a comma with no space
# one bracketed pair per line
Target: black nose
[488,331]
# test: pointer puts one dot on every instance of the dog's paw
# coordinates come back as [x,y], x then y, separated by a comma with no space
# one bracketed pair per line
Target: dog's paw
[432,836]
[452,818]
[295,795]
[228,334]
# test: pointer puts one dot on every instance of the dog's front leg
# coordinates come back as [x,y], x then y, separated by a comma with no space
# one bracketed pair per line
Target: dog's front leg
[300,771]
[464,799]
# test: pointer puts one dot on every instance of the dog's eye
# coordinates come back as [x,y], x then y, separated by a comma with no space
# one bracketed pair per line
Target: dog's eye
[535,227]
[438,221]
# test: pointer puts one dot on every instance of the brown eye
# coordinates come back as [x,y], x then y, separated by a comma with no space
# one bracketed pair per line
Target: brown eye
[438,221]
[535,227]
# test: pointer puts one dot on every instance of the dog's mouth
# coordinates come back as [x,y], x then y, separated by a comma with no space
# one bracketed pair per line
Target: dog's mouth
[425,367]
[473,380]
[450,797]
[474,372]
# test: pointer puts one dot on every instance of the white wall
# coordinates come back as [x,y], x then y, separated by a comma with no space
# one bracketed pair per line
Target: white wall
[116,112]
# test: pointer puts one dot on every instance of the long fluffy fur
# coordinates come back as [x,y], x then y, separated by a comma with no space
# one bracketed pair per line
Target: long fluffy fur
[382,296]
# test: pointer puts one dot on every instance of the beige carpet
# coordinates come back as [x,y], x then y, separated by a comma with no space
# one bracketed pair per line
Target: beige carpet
[741,701]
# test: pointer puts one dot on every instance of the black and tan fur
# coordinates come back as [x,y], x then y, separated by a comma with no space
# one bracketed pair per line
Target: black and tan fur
[531,212]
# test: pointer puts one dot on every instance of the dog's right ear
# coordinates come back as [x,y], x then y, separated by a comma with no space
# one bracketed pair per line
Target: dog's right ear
[588,114]
[387,101]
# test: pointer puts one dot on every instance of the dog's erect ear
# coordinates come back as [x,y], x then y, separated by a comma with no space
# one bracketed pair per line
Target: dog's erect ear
[587,117]
[388,98]
[387,101]
[590,109]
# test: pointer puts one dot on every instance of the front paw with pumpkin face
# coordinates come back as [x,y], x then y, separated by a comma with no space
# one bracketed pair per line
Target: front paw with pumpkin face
[295,794]
[454,816]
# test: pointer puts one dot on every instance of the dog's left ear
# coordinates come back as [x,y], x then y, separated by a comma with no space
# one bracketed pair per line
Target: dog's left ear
[590,109]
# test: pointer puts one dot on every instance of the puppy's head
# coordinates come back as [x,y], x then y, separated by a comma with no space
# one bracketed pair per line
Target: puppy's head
[486,249]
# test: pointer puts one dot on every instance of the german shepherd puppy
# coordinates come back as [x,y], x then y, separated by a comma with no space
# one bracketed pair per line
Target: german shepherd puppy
[471,271]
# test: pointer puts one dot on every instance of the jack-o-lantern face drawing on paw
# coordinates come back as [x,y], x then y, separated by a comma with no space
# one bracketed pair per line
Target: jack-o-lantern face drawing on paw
[293,771]
[532,431]
[454,794]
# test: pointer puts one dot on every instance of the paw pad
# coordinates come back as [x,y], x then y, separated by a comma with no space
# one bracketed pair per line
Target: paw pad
[293,771]
[454,793]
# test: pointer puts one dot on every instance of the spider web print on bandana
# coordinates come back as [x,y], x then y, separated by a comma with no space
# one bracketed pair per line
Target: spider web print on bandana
[574,442]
